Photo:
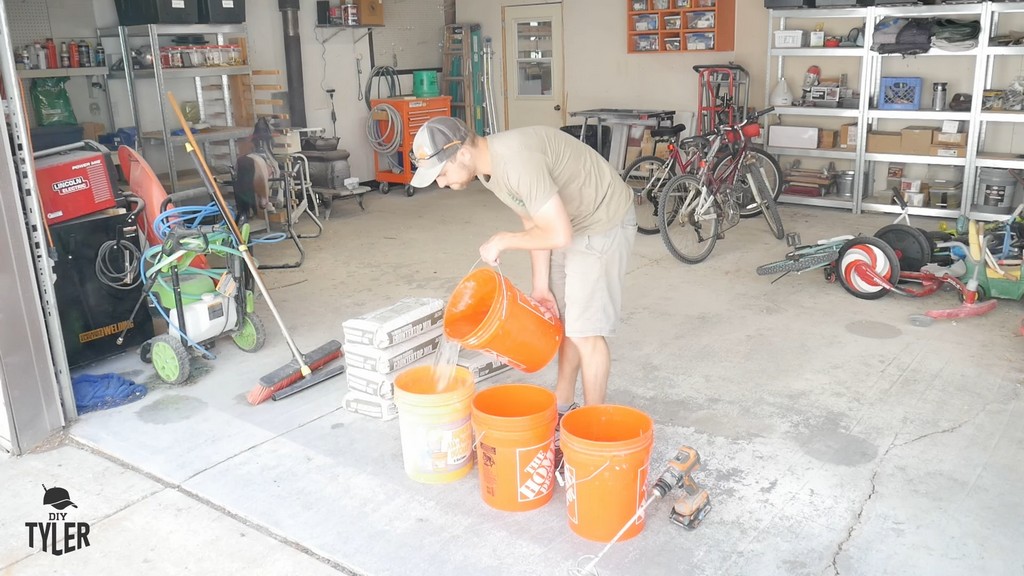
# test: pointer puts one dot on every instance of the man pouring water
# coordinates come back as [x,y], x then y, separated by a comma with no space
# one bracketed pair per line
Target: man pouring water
[579,225]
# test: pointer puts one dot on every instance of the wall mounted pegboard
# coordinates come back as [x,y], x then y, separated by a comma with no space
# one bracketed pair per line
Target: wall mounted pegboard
[29,21]
[412,34]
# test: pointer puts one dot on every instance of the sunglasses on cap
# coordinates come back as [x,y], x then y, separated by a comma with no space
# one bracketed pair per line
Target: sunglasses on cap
[417,159]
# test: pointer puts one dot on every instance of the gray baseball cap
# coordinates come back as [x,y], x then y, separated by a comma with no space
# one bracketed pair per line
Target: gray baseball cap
[436,143]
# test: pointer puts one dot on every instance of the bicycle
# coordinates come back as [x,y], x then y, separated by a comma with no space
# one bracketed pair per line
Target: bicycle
[693,208]
[647,175]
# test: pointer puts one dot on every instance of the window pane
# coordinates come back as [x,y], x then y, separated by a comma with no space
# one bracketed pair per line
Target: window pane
[534,52]
[534,78]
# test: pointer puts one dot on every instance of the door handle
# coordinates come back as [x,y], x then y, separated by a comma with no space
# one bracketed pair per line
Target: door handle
[558,107]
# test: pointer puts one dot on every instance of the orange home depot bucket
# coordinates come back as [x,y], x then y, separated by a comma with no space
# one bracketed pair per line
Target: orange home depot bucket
[514,426]
[437,436]
[487,312]
[606,452]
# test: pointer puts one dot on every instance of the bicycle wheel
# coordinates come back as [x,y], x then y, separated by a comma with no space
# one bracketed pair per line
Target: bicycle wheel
[798,262]
[911,245]
[646,176]
[874,253]
[763,197]
[689,219]
[771,171]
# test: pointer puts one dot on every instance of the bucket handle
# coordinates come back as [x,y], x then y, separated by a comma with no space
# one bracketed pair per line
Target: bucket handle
[501,276]
[561,479]
[476,441]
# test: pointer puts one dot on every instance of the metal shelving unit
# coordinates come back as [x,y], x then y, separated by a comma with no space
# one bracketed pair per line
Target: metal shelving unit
[218,132]
[779,55]
[983,59]
[62,72]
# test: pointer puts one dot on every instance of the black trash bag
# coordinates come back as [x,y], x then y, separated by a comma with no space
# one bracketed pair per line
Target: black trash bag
[51,103]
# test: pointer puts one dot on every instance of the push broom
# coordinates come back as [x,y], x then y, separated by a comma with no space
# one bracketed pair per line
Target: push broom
[299,373]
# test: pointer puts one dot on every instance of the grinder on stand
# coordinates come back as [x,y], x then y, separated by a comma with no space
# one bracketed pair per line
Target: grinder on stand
[695,503]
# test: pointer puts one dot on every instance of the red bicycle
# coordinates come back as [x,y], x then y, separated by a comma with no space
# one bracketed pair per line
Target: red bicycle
[694,209]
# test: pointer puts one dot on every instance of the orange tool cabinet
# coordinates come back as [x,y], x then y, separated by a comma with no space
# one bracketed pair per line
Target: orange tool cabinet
[414,112]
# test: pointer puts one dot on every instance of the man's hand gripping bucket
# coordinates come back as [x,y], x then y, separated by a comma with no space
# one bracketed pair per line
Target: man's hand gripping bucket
[486,312]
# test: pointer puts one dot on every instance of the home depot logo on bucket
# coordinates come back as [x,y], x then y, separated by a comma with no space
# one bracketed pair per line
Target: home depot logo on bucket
[535,479]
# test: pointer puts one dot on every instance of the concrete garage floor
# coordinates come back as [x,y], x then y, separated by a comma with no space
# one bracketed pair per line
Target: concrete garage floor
[837,438]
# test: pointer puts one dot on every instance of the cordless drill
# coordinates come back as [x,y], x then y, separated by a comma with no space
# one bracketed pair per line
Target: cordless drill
[690,509]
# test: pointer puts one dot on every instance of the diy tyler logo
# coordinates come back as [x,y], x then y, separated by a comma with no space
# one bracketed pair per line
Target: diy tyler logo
[58,536]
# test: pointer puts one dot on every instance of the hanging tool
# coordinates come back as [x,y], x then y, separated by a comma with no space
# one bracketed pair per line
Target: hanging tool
[688,511]
[298,373]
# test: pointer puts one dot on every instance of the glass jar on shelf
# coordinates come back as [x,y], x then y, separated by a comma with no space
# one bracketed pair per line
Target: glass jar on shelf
[213,56]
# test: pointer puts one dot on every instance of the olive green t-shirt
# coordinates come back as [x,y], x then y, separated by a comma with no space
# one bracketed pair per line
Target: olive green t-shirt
[530,165]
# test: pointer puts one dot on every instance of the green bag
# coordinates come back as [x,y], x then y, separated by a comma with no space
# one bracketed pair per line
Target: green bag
[51,102]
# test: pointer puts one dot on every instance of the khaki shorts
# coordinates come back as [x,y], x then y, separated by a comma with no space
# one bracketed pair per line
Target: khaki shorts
[587,277]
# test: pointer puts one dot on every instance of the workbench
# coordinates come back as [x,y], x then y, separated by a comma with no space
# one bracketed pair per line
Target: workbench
[620,121]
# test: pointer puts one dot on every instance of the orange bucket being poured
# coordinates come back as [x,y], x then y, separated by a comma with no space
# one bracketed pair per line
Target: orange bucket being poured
[486,312]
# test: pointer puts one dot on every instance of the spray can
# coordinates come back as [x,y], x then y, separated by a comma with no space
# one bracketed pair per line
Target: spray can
[938,96]
[101,56]
[73,54]
[40,56]
[83,54]
[65,59]
[52,59]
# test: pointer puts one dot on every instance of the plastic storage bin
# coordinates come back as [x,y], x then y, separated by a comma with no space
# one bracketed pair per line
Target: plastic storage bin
[221,11]
[135,12]
[698,20]
[700,41]
[900,93]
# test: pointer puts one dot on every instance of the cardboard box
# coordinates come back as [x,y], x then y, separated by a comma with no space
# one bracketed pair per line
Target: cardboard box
[948,151]
[916,140]
[395,357]
[93,130]
[916,199]
[910,185]
[949,139]
[885,142]
[481,364]
[793,136]
[394,324]
[848,135]
[827,138]
[369,12]
[371,406]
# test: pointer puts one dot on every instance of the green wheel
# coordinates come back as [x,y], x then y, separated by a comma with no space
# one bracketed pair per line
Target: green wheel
[252,335]
[170,359]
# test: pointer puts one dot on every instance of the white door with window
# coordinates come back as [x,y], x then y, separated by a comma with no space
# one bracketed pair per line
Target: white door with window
[533,65]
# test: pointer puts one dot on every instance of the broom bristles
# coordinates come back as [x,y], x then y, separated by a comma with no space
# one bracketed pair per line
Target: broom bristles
[261,393]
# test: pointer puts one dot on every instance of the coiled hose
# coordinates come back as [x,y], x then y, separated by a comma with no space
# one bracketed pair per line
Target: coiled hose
[385,135]
[386,75]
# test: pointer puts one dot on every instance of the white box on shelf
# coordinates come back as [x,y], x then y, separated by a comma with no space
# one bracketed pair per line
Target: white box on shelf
[789,38]
[792,136]
[817,39]
[394,324]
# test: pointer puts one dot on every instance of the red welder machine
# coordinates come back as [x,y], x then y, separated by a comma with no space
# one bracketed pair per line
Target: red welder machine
[74,183]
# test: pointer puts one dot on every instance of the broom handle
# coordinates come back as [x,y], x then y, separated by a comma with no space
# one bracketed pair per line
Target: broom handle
[211,184]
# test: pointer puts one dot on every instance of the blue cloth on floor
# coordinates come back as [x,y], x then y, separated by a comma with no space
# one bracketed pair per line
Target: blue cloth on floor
[101,391]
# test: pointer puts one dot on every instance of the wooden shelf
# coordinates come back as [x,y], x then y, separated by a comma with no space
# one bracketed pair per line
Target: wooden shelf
[656,39]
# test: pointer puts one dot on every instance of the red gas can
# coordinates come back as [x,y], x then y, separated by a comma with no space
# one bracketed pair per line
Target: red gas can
[73,184]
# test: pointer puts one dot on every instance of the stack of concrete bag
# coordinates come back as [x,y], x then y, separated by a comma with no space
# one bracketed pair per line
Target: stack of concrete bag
[382,344]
